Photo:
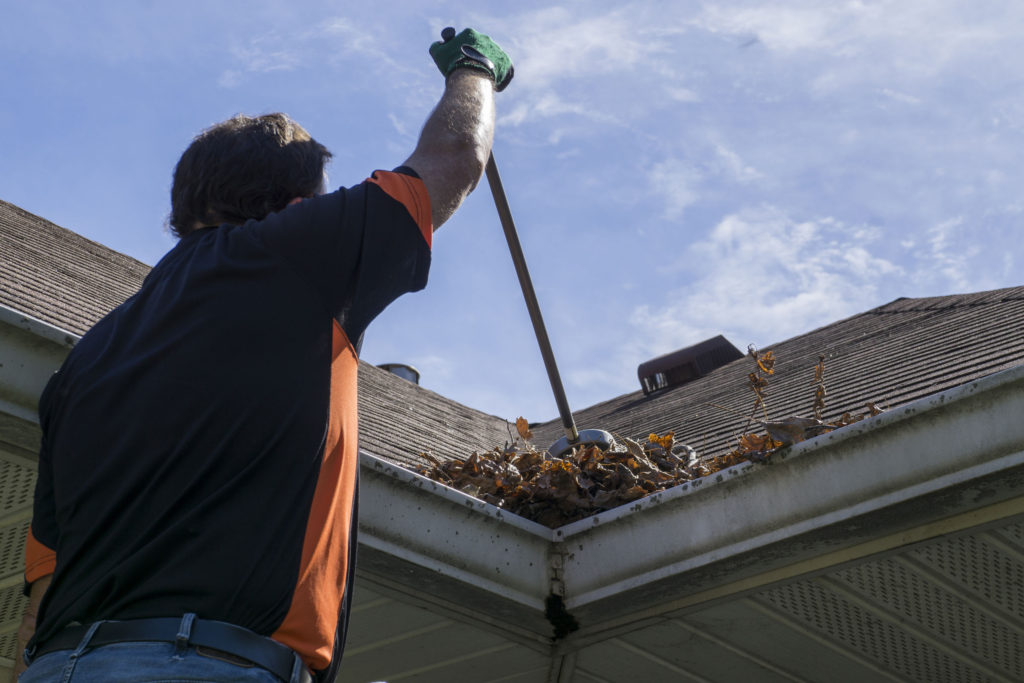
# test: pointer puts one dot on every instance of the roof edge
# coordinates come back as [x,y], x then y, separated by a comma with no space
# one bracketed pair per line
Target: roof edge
[33,350]
[38,327]
[420,521]
[920,449]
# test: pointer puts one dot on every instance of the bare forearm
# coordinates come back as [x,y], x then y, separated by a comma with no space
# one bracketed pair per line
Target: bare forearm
[455,142]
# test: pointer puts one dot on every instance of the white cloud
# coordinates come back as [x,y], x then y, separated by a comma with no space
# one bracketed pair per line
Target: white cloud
[786,27]
[264,55]
[561,45]
[400,126]
[332,41]
[948,256]
[885,42]
[267,53]
[260,55]
[677,183]
[550,104]
[940,27]
[344,37]
[900,96]
[762,276]
[573,63]
[230,78]
[1008,265]
[734,166]
[681,94]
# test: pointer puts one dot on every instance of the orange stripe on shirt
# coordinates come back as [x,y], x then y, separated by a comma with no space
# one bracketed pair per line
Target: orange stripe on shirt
[411,193]
[312,620]
[40,560]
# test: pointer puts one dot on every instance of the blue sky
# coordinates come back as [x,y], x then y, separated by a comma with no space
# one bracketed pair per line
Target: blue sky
[676,169]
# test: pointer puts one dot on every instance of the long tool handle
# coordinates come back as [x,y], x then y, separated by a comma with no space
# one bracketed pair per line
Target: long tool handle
[505,214]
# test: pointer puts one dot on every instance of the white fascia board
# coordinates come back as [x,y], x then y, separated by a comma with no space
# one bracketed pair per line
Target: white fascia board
[918,449]
[37,327]
[30,352]
[420,521]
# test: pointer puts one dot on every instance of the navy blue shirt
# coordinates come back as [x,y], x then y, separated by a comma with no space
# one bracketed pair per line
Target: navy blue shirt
[199,443]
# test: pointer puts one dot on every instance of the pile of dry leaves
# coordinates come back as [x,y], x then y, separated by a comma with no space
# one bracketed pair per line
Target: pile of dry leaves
[554,491]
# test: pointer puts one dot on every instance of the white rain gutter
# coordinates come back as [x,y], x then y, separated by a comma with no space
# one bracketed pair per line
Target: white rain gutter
[30,352]
[431,545]
[420,521]
[913,452]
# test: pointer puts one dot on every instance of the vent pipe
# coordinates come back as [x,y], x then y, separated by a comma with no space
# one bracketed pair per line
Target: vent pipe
[406,372]
[685,365]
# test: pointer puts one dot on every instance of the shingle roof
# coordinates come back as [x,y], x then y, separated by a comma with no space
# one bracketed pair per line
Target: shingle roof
[890,355]
[62,278]
[58,276]
[399,419]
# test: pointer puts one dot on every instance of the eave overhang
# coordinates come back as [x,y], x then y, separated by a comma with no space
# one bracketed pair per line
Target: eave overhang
[939,466]
[949,462]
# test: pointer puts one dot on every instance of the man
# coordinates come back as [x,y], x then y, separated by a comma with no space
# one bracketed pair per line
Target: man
[195,511]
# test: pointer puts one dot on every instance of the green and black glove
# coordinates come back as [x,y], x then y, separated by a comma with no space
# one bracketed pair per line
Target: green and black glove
[472,50]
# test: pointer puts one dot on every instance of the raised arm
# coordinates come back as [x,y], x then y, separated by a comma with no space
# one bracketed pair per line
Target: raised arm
[456,139]
[455,142]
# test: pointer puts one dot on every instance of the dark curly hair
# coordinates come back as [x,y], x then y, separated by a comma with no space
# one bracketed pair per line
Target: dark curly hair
[246,167]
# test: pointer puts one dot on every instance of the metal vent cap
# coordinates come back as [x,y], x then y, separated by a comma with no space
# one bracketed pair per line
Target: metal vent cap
[685,365]
[406,372]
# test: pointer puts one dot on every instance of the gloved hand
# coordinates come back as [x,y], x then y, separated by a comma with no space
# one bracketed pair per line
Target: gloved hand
[472,50]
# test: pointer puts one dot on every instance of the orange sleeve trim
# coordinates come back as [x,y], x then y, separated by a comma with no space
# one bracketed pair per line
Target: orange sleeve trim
[411,193]
[40,560]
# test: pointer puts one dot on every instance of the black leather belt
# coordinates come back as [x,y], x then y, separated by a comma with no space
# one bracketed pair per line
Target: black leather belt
[217,635]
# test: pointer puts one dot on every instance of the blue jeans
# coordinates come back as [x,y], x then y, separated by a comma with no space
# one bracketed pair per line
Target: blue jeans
[142,662]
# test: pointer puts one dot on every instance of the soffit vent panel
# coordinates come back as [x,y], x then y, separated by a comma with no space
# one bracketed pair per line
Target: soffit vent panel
[12,603]
[12,544]
[856,627]
[981,568]
[911,596]
[17,485]
[8,643]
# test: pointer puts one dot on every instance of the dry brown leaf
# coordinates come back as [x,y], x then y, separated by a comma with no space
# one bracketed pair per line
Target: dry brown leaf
[523,427]
[666,442]
[750,443]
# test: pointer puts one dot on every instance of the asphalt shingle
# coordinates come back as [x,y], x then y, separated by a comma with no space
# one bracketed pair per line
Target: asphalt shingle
[890,355]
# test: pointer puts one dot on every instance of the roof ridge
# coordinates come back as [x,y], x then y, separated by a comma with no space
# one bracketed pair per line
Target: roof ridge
[949,301]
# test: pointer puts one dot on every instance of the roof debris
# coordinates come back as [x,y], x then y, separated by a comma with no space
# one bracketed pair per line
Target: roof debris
[555,491]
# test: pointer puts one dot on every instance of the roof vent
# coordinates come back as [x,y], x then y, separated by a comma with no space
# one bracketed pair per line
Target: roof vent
[404,371]
[685,365]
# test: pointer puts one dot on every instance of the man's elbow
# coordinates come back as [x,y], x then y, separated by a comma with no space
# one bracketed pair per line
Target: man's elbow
[469,159]
[451,176]
[474,169]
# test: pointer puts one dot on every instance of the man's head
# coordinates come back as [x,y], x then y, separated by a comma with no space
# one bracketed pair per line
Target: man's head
[244,168]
